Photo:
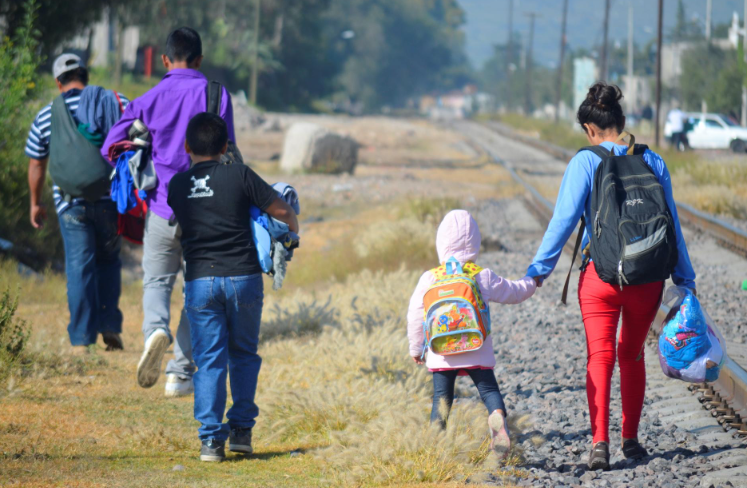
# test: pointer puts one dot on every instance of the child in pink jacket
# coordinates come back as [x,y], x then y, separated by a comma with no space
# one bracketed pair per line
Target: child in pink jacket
[459,237]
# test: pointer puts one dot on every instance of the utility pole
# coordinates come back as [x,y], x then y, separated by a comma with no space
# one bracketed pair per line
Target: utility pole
[559,89]
[709,11]
[658,72]
[528,82]
[631,53]
[510,51]
[255,54]
[603,61]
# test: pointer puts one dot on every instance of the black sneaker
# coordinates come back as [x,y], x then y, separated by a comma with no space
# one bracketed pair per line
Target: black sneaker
[241,441]
[600,457]
[213,451]
[632,449]
[113,341]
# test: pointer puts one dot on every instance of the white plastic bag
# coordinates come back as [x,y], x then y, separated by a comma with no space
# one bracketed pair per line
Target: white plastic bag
[690,348]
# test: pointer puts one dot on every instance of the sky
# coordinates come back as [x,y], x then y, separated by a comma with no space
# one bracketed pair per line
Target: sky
[487,22]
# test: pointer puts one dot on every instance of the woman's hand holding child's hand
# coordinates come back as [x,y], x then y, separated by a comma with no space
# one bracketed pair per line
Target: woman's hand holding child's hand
[418,360]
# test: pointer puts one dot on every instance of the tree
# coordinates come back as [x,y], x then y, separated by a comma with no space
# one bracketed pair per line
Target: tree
[714,74]
[400,49]
[685,30]
[59,20]
[18,90]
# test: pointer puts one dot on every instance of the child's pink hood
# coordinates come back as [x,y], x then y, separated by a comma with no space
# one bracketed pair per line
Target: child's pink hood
[458,236]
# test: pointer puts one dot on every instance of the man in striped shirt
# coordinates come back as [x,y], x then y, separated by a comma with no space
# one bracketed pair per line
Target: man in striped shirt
[89,229]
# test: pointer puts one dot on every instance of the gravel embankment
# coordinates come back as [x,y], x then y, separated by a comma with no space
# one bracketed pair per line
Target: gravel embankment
[541,353]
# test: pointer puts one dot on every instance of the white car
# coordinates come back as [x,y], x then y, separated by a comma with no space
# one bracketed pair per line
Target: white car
[713,131]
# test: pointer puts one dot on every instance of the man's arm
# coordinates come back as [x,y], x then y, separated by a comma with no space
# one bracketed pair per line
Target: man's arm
[37,177]
[280,210]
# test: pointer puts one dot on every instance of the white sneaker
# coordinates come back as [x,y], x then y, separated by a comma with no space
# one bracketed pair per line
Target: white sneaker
[500,442]
[177,387]
[149,367]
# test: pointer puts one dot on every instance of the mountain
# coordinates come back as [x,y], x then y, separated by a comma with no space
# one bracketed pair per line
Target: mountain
[487,23]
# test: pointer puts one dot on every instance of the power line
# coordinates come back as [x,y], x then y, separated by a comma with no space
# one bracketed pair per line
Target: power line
[528,106]
[603,60]
[510,51]
[255,54]
[563,41]
[660,29]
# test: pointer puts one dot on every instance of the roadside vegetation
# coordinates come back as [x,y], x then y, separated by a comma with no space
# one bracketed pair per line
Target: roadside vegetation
[341,401]
[718,187]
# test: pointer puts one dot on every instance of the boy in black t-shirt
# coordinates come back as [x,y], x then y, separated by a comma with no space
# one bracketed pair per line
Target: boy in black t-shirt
[224,288]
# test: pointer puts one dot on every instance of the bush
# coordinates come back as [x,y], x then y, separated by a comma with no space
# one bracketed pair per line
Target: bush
[18,88]
[14,335]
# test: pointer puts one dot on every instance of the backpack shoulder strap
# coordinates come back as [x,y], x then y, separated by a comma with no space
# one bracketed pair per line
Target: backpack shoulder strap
[471,269]
[600,151]
[579,239]
[215,92]
[439,273]
[119,101]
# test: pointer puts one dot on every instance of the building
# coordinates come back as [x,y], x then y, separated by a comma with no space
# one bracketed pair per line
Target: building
[672,54]
[584,75]
[103,43]
[637,93]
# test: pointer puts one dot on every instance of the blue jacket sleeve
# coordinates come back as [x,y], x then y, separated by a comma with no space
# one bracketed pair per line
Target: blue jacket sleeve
[570,205]
[683,275]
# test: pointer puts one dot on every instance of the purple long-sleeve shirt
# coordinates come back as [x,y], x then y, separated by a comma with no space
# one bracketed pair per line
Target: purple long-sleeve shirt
[166,110]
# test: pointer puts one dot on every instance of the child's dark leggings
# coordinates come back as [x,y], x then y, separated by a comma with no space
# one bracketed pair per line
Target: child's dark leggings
[443,387]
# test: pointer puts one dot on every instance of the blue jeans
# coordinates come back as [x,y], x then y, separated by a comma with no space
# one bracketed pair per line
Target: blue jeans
[93,269]
[443,387]
[225,313]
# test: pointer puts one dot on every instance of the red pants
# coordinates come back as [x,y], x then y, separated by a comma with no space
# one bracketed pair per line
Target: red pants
[601,306]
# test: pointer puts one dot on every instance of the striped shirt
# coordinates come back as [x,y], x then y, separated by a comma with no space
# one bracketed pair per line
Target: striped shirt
[37,143]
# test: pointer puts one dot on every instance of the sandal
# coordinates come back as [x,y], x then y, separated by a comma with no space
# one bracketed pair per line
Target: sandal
[632,449]
[600,457]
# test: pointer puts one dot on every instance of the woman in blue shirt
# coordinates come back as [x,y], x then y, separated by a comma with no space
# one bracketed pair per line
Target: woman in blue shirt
[602,304]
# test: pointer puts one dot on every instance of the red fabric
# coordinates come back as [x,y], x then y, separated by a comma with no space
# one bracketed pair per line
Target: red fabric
[131,225]
[118,148]
[601,307]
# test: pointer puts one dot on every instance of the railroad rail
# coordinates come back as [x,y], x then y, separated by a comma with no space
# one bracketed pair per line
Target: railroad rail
[724,233]
[725,398]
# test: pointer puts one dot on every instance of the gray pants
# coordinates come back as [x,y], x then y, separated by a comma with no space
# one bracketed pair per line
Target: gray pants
[162,261]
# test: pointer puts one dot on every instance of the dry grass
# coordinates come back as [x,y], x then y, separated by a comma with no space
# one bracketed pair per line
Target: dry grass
[337,389]
[717,187]
[341,403]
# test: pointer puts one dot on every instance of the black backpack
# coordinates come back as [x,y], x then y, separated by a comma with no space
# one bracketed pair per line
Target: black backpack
[215,93]
[76,165]
[633,239]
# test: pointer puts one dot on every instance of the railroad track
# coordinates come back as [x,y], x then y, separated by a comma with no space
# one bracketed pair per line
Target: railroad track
[724,233]
[724,400]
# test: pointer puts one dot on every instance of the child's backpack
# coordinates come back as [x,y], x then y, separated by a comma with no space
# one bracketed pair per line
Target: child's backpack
[633,239]
[457,320]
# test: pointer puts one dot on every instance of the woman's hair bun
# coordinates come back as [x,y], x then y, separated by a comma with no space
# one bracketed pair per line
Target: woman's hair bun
[604,96]
[602,107]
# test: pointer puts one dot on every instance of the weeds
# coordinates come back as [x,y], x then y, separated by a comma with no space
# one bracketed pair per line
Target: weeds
[715,187]
[352,390]
[14,335]
[428,210]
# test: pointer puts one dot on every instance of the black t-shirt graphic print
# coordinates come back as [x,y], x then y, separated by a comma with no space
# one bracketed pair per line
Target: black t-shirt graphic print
[211,203]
